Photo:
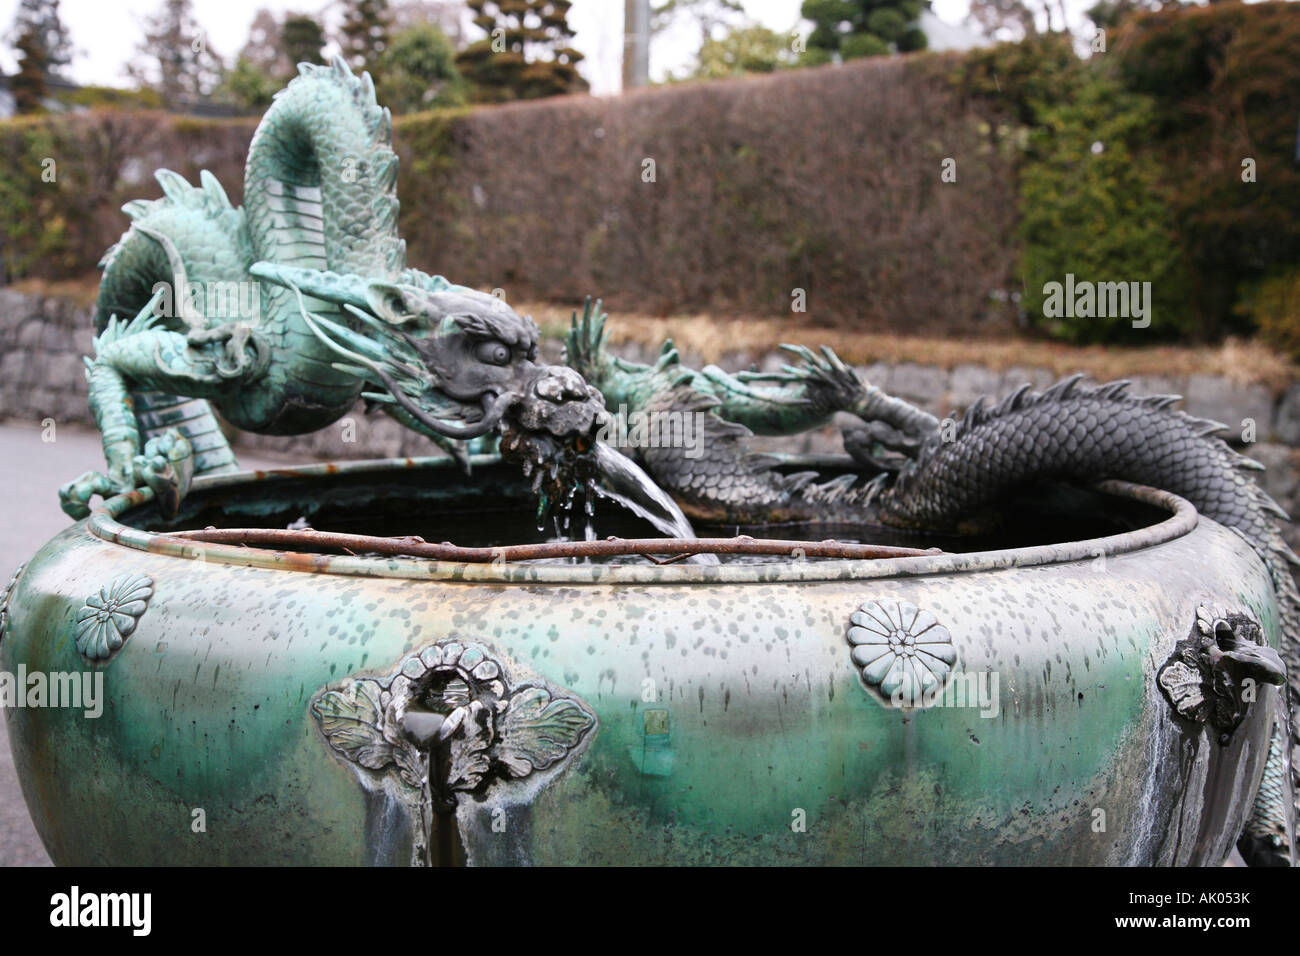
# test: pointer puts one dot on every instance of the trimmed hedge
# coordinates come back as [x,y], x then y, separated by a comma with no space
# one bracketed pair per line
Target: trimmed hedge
[729,196]
[65,178]
[825,180]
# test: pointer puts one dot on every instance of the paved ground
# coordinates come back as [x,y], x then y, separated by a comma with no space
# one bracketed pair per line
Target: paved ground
[31,471]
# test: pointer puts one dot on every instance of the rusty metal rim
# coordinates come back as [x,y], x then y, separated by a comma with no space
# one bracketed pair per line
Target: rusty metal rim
[677,548]
[103,524]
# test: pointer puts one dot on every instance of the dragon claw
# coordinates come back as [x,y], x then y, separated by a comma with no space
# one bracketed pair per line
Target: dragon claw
[166,466]
[244,351]
[830,382]
[74,497]
[586,338]
[880,446]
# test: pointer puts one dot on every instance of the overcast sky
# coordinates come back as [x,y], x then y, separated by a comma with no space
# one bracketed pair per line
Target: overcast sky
[106,32]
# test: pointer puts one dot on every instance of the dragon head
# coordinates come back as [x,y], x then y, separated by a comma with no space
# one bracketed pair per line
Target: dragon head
[455,363]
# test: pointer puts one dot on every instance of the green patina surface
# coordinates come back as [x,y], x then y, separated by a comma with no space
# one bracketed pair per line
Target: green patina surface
[760,741]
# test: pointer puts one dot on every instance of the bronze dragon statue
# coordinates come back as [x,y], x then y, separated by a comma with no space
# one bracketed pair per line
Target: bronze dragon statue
[282,313]
[205,305]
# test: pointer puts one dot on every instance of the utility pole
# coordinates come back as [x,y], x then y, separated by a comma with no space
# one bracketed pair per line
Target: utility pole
[636,43]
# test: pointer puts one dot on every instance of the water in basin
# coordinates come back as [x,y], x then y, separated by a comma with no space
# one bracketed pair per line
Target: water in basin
[494,507]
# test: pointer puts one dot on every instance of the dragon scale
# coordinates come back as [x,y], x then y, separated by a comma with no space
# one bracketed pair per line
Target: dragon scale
[1085,434]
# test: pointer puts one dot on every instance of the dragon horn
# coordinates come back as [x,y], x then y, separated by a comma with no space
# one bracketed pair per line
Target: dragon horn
[332,287]
[369,354]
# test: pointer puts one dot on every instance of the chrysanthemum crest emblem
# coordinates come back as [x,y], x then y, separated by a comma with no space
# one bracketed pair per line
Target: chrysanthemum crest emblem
[108,618]
[902,652]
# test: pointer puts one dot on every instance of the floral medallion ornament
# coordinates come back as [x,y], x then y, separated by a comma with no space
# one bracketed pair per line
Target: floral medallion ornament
[108,618]
[902,652]
[448,722]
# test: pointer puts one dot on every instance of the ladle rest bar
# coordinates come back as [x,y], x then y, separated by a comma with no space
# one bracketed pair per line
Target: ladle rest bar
[610,547]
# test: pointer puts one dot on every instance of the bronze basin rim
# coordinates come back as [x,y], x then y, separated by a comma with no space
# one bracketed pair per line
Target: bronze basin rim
[104,525]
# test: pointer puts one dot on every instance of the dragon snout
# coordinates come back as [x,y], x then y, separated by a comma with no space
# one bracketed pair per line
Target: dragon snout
[559,384]
[560,403]
[552,431]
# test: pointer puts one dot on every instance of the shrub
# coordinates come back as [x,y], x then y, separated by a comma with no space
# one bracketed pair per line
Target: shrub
[1092,205]
[857,45]
[1274,305]
[418,71]
[33,230]
[1014,80]
[1225,82]
[1101,216]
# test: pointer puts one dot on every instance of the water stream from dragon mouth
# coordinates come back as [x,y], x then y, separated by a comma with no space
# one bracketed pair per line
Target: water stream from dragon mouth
[623,481]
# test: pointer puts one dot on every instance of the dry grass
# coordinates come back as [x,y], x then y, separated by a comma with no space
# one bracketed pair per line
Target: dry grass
[81,291]
[1245,362]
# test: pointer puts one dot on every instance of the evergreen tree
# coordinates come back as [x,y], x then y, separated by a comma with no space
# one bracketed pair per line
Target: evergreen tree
[443,14]
[856,28]
[41,20]
[527,53]
[28,83]
[418,71]
[247,87]
[749,49]
[1095,203]
[302,38]
[271,56]
[364,34]
[263,50]
[174,56]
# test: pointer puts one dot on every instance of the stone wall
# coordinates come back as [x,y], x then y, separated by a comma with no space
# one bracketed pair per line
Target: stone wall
[43,339]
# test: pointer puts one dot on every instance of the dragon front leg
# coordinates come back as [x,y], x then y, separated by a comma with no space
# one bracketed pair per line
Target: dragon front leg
[136,355]
[795,399]
[893,430]
[807,396]
[164,464]
[243,352]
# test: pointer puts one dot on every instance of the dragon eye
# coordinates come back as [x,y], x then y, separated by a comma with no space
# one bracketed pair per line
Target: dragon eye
[492,353]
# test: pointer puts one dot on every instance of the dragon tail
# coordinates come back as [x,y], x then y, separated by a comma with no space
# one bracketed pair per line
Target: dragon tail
[321,179]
